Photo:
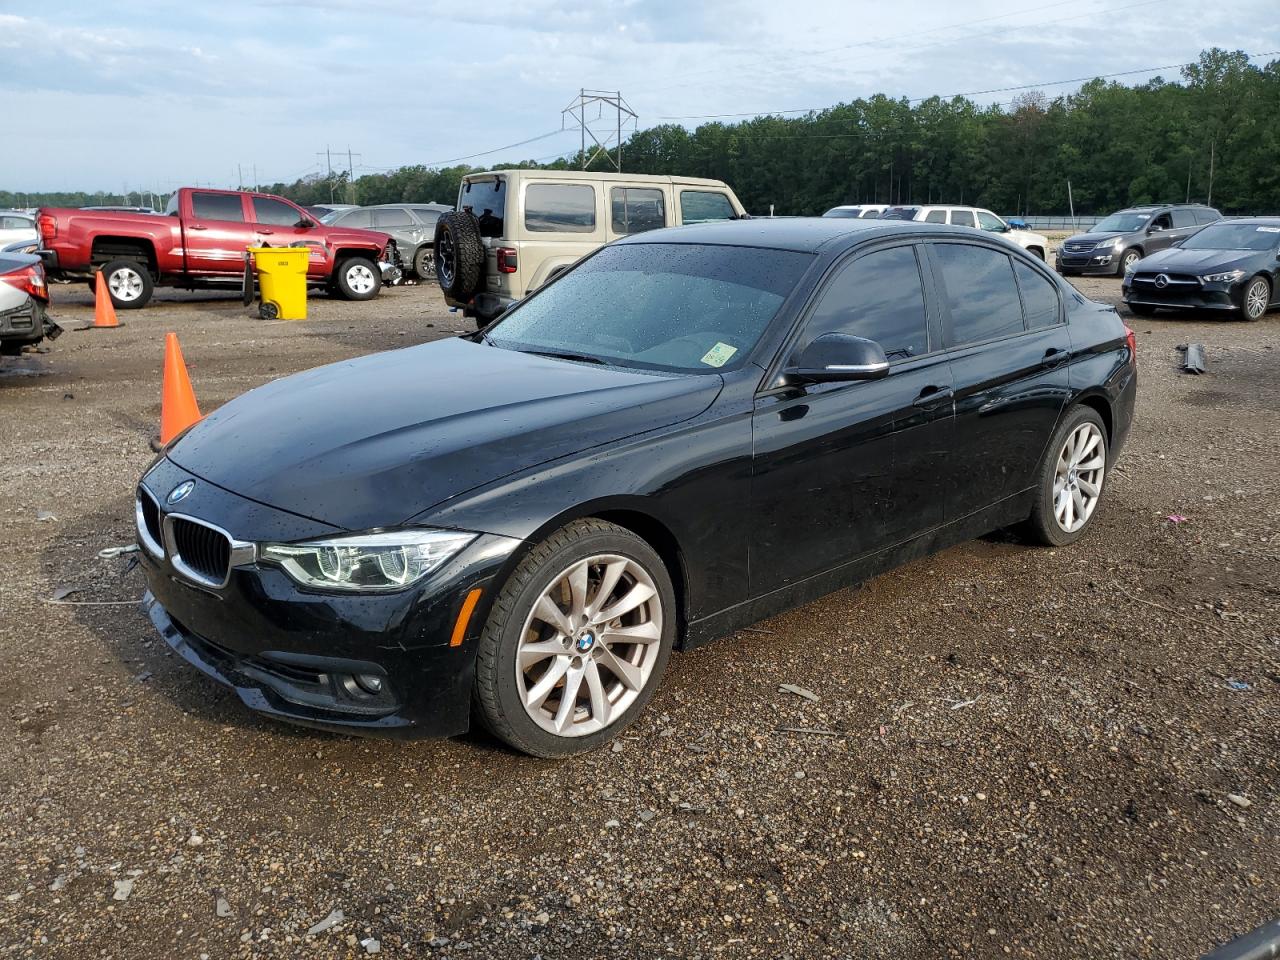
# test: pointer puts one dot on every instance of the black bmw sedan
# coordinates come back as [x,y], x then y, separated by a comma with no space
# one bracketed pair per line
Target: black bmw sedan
[691,430]
[1232,266]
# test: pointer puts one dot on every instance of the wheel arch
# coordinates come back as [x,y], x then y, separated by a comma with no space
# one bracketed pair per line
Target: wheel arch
[1099,403]
[107,248]
[637,515]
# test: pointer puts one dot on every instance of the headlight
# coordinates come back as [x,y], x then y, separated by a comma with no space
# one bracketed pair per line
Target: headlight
[1117,245]
[373,561]
[1231,276]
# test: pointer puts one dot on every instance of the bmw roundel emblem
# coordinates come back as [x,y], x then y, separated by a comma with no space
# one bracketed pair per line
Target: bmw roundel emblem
[180,492]
[586,642]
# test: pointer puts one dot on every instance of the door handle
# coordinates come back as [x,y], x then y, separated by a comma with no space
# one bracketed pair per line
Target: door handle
[196,226]
[933,395]
[266,232]
[1053,357]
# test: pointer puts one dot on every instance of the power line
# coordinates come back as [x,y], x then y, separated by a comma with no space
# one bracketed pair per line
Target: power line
[971,93]
[472,156]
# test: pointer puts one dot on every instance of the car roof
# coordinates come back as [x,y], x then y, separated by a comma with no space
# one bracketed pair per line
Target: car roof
[803,234]
[590,175]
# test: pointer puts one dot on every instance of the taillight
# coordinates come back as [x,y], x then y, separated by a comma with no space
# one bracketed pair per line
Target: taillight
[506,259]
[29,279]
[48,226]
[1131,338]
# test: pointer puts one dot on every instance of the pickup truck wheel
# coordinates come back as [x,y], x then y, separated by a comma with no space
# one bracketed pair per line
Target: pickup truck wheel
[459,254]
[424,263]
[358,279]
[129,283]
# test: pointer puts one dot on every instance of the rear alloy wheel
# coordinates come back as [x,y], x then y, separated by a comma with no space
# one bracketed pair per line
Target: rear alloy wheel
[128,282]
[577,641]
[358,279]
[1255,299]
[1071,479]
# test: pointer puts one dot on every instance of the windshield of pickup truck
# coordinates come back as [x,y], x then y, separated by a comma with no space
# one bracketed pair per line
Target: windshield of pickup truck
[661,306]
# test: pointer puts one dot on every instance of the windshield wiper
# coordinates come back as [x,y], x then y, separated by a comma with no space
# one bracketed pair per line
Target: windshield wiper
[562,355]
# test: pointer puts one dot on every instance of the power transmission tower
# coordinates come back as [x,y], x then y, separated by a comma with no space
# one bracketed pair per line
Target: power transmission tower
[600,99]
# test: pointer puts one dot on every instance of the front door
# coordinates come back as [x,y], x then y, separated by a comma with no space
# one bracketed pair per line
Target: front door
[276,224]
[1005,328]
[842,470]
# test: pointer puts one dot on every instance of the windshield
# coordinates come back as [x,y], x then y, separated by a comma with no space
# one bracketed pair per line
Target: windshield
[331,216]
[1234,236]
[662,306]
[900,213]
[850,213]
[1122,222]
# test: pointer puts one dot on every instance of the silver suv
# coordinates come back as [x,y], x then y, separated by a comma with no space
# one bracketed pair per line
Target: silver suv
[411,225]
[515,230]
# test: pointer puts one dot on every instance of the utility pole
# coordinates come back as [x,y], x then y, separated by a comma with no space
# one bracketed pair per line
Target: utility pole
[328,160]
[578,111]
[1212,148]
[351,177]
[239,178]
[255,177]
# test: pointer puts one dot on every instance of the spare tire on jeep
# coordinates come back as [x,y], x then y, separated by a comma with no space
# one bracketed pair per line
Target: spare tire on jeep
[459,254]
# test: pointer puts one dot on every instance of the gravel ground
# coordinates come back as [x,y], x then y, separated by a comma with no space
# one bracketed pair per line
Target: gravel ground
[1013,751]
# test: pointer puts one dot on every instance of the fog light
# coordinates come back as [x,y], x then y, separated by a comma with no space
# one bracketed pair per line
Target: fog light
[369,683]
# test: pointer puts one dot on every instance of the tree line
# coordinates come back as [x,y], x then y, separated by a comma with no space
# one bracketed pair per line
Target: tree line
[1213,135]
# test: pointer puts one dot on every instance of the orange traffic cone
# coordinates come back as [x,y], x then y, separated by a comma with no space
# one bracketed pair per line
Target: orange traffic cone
[178,408]
[104,311]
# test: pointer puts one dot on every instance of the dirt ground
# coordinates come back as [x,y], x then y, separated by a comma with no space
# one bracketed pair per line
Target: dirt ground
[1026,752]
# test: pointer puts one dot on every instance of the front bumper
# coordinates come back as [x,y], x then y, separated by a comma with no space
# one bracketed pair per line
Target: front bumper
[1181,296]
[1091,263]
[293,653]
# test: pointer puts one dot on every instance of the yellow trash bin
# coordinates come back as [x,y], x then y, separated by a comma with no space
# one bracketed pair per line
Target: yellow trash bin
[282,281]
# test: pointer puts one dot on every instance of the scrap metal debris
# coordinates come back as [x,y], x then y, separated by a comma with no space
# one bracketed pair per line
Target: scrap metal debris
[798,691]
[1194,361]
[332,920]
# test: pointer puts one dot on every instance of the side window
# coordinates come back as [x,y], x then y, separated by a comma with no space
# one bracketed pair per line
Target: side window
[560,208]
[1039,297]
[1161,222]
[636,209]
[266,210]
[989,221]
[963,218]
[354,218]
[699,206]
[1183,218]
[980,291]
[1205,215]
[879,296]
[217,206]
[395,217]
[871,214]
[936,216]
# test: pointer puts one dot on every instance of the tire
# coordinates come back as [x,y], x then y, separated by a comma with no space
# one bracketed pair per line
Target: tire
[424,263]
[1057,471]
[129,284]
[357,278]
[459,254]
[1141,309]
[604,703]
[1255,298]
[1131,255]
[1037,253]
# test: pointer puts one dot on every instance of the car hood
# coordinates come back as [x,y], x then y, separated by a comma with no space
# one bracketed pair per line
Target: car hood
[372,442]
[1093,237]
[1196,261]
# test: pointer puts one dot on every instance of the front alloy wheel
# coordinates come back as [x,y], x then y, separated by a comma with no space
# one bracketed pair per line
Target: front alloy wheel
[577,641]
[1256,296]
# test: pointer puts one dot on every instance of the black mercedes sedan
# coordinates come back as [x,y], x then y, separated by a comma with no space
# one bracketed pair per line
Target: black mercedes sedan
[691,430]
[1233,266]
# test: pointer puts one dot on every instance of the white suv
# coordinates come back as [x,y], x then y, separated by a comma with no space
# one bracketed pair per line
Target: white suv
[1034,243]
[515,230]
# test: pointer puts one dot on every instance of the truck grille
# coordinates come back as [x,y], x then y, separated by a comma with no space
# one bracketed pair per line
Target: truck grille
[201,552]
[1078,247]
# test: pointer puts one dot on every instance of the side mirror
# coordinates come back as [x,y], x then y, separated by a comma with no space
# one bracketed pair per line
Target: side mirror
[305,223]
[1154,228]
[835,357]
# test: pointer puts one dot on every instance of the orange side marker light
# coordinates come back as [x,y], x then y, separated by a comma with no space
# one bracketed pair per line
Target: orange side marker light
[464,617]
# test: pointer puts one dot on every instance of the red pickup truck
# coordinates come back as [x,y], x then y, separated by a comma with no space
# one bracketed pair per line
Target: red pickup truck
[200,241]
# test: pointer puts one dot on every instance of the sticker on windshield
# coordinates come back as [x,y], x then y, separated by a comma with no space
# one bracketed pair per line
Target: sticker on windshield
[1269,229]
[718,355]
[1144,216]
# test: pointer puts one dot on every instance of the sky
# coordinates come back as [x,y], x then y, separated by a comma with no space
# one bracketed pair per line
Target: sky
[143,95]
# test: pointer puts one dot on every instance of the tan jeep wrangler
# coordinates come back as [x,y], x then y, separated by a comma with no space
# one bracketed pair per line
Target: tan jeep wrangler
[515,230]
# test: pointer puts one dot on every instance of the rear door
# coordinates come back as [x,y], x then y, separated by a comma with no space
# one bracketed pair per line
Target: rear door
[1004,325]
[635,209]
[1183,224]
[704,205]
[562,221]
[842,470]
[217,232]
